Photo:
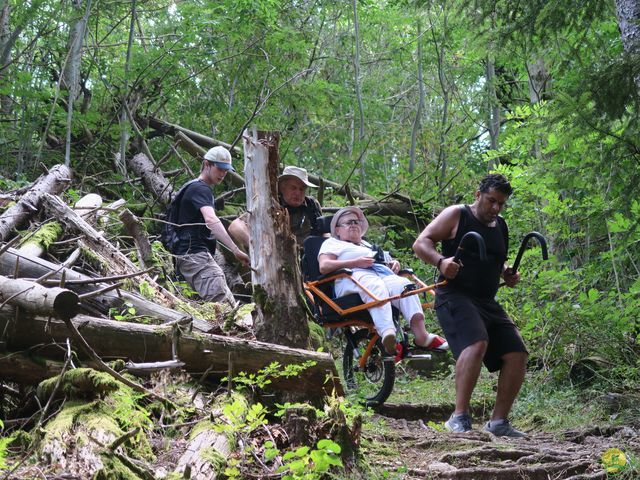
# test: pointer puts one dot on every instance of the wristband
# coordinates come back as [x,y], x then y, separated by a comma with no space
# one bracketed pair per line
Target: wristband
[439,262]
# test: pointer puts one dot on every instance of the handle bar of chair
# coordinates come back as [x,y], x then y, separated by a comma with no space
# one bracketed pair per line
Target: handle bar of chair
[523,245]
[482,249]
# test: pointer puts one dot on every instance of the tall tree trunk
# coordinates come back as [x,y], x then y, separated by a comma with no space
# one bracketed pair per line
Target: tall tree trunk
[493,108]
[539,80]
[628,13]
[275,276]
[5,52]
[71,71]
[124,132]
[416,122]
[356,66]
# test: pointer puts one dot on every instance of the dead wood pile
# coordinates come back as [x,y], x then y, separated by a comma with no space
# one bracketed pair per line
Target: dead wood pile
[100,287]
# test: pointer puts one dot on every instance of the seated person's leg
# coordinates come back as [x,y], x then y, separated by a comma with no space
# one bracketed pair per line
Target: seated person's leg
[382,316]
[411,310]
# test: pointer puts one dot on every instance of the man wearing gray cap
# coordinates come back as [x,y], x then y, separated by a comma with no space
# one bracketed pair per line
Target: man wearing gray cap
[303,210]
[201,230]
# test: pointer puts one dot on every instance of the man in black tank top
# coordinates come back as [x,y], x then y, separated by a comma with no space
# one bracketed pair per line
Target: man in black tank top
[475,325]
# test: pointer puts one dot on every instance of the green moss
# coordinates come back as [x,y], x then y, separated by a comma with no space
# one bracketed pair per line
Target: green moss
[45,235]
[215,458]
[114,469]
[316,336]
[79,382]
[206,310]
[200,427]
[81,413]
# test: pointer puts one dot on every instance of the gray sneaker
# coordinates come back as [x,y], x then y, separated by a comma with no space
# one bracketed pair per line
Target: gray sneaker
[502,428]
[459,423]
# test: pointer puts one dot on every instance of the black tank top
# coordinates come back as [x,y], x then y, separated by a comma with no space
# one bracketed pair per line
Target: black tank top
[476,278]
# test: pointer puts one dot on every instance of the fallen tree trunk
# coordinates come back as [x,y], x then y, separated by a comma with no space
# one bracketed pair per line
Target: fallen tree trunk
[54,182]
[148,343]
[25,369]
[136,230]
[13,262]
[35,298]
[116,262]
[152,177]
[202,140]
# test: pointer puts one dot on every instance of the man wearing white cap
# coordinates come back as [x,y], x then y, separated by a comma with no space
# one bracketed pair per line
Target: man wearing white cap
[203,229]
[303,210]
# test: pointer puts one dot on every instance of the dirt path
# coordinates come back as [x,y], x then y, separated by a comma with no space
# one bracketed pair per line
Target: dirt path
[408,449]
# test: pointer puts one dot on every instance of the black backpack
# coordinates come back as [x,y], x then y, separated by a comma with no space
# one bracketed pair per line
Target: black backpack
[169,233]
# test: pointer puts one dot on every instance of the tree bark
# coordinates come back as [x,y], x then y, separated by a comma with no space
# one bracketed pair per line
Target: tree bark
[356,68]
[54,182]
[148,343]
[35,298]
[628,14]
[136,230]
[117,263]
[153,179]
[418,118]
[276,279]
[15,263]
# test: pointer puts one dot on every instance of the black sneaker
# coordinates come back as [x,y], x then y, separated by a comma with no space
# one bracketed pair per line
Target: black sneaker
[458,423]
[502,428]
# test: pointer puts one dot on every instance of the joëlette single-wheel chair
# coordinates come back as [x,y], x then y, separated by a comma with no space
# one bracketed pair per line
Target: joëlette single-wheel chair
[367,369]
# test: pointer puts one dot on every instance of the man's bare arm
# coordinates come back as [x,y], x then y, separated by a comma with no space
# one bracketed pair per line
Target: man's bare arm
[215,225]
[443,227]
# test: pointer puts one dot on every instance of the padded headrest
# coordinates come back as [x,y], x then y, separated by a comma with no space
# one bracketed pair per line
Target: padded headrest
[323,224]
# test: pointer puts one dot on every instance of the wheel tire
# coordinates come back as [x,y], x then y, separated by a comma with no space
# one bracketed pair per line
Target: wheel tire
[376,382]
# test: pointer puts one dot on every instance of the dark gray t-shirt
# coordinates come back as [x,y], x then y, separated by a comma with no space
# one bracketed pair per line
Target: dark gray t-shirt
[195,238]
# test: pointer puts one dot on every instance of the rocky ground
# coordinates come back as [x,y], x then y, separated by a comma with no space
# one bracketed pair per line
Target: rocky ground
[408,448]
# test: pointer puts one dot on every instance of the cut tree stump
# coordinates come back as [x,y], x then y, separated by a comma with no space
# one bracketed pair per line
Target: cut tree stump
[275,264]
[35,298]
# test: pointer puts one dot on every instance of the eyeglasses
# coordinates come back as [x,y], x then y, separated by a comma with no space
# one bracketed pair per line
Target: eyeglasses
[348,223]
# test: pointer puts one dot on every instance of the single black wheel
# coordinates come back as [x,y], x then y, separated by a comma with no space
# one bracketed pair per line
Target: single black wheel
[375,382]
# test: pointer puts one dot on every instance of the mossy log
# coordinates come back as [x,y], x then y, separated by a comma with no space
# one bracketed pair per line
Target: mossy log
[84,439]
[55,181]
[35,298]
[78,383]
[148,343]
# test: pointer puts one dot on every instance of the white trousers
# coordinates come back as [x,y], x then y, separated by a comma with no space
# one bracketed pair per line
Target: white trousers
[382,287]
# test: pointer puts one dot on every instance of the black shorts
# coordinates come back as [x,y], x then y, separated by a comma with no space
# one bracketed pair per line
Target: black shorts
[466,320]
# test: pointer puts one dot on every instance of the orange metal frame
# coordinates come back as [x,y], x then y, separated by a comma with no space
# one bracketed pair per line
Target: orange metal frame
[311,289]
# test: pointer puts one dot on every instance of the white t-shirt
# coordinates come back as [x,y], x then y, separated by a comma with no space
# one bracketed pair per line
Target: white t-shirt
[344,250]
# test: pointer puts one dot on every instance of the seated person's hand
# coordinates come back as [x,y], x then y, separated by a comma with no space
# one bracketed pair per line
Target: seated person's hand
[363,262]
[394,265]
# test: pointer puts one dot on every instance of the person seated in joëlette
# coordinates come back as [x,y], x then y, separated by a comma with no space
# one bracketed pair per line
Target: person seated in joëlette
[347,249]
